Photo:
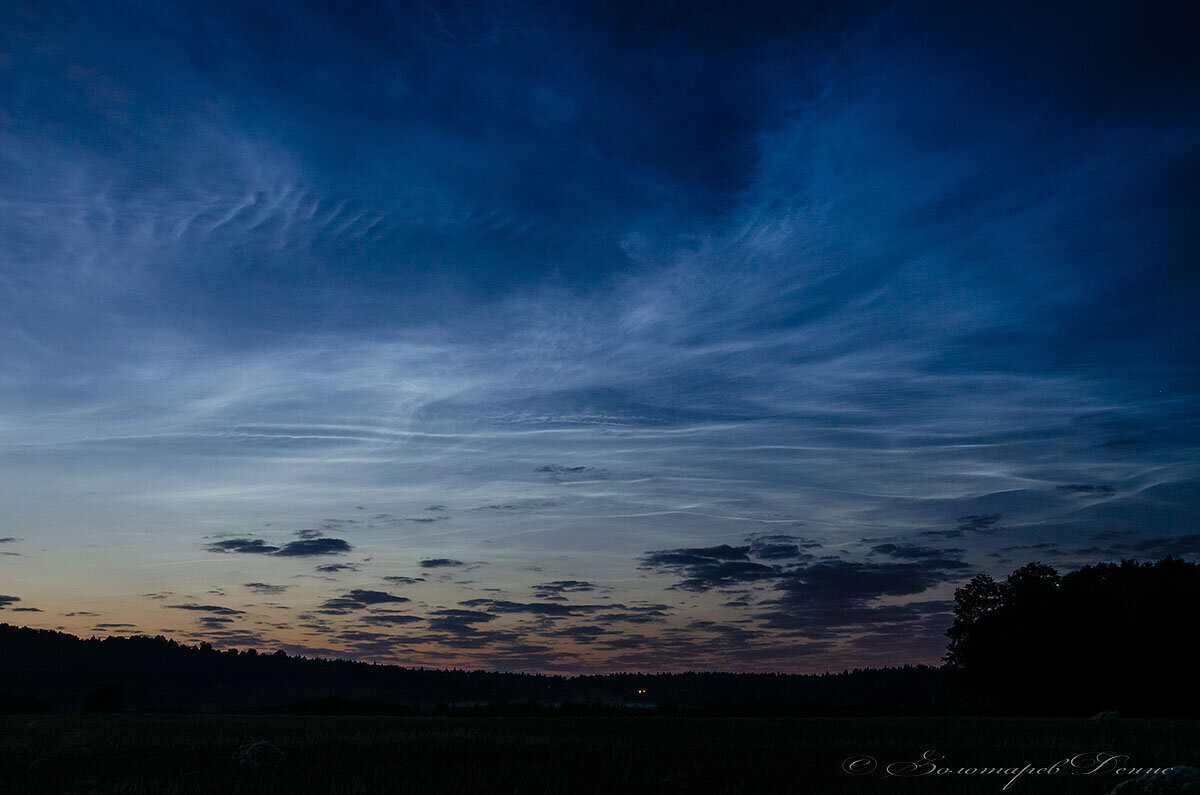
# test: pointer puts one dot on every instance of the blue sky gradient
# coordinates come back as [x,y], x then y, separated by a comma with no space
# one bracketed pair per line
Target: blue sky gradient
[577,337]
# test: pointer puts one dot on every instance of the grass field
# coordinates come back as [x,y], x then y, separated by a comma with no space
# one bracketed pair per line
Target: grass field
[177,754]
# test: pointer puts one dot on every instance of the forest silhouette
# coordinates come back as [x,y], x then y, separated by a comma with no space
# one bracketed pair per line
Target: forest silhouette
[1110,636]
[1121,635]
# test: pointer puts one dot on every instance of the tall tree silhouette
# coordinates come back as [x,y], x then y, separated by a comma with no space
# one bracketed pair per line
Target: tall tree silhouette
[972,604]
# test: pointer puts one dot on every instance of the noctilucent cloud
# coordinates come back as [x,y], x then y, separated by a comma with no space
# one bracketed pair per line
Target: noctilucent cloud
[589,337]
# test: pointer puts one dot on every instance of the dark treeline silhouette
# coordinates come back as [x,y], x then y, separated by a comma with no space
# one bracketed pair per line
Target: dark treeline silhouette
[1112,636]
[44,670]
[1105,637]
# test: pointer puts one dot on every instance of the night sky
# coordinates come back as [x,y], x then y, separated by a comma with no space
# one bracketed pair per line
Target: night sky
[588,337]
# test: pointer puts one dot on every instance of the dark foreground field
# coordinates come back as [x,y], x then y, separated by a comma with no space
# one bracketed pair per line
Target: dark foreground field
[165,755]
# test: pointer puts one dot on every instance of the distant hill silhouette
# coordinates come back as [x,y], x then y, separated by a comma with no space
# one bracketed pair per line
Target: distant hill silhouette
[42,670]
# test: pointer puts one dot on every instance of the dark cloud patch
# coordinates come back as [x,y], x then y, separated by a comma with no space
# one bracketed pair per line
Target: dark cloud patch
[253,546]
[643,614]
[780,547]
[1179,546]
[458,622]
[159,595]
[362,642]
[440,563]
[549,609]
[723,575]
[838,619]
[305,547]
[265,588]
[945,557]
[584,633]
[340,606]
[1088,489]
[947,534]
[1117,544]
[556,588]
[358,599]
[311,547]
[216,610]
[9,540]
[436,508]
[978,523]
[5,601]
[215,622]
[390,619]
[706,568]
[843,579]
[400,580]
[78,613]
[826,598]
[822,599]
[494,642]
[695,556]
[26,609]
[464,616]
[334,568]
[114,626]
[739,635]
[375,597]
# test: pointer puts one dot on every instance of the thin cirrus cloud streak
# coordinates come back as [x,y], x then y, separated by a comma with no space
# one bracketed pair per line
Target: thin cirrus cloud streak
[428,399]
